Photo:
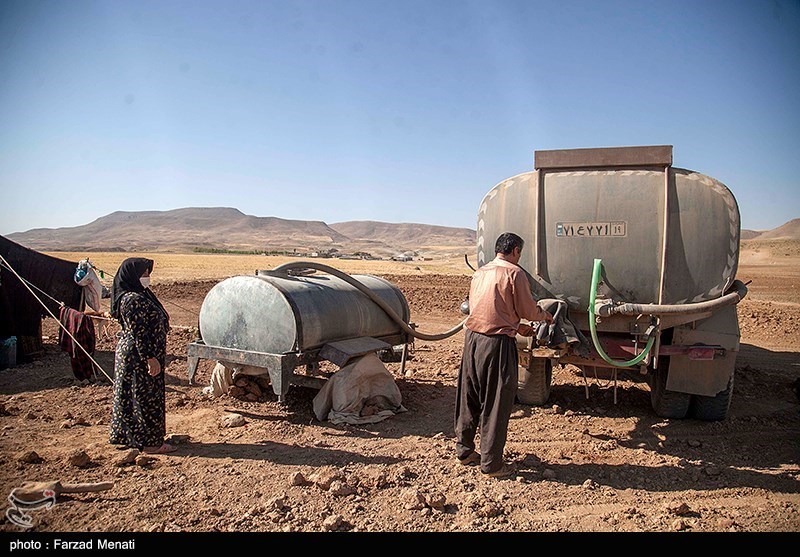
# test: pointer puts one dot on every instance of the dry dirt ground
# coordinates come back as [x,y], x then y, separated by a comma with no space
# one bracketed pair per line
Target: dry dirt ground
[584,464]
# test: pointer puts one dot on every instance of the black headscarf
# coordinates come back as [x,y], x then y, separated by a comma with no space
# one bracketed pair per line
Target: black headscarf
[127,280]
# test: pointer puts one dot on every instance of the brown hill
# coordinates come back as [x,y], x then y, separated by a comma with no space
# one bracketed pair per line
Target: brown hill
[412,236]
[230,229]
[750,234]
[205,227]
[788,231]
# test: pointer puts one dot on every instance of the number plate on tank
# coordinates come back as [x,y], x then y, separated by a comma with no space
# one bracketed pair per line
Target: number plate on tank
[616,229]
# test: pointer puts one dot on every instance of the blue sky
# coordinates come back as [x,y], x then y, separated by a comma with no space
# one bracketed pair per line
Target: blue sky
[396,111]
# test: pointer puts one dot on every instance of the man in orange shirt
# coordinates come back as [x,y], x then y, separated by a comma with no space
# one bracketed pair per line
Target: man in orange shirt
[499,296]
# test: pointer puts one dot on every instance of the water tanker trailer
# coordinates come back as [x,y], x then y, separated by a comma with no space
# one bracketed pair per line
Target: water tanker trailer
[278,322]
[643,254]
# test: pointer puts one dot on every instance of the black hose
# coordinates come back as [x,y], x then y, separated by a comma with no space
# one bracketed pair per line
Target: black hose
[300,265]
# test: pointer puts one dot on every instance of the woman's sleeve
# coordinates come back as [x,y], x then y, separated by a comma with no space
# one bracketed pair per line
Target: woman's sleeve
[146,326]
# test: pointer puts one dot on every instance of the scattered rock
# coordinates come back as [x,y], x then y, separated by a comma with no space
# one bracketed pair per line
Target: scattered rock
[332,522]
[67,415]
[29,457]
[250,397]
[569,413]
[489,509]
[518,414]
[100,421]
[237,392]
[589,484]
[80,420]
[436,500]
[145,460]
[30,416]
[3,409]
[549,474]
[232,420]
[156,528]
[253,388]
[297,478]
[325,479]
[679,525]
[241,382]
[678,509]
[557,409]
[727,523]
[213,511]
[66,424]
[340,488]
[378,479]
[278,503]
[126,457]
[255,510]
[693,443]
[78,458]
[413,499]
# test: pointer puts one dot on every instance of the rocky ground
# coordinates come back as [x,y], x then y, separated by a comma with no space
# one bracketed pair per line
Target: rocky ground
[585,462]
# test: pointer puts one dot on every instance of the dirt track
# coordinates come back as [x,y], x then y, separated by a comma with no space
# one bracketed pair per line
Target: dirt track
[588,465]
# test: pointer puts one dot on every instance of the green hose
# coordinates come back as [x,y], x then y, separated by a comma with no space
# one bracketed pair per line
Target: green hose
[596,272]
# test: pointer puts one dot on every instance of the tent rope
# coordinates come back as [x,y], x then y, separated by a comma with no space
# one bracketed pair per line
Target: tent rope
[8,266]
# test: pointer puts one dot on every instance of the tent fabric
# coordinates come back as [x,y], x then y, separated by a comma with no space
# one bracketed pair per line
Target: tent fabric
[362,392]
[20,313]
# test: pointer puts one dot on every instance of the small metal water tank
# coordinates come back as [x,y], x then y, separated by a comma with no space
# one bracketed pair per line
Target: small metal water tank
[277,313]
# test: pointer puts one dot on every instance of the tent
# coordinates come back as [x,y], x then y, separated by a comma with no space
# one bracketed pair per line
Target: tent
[20,312]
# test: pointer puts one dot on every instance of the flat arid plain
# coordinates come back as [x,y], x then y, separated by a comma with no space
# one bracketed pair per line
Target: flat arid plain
[585,463]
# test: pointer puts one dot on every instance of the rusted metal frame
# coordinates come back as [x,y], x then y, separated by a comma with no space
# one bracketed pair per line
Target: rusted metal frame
[604,157]
[280,367]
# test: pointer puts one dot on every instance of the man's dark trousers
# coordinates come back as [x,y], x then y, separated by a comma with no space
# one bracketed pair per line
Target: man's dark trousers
[487,385]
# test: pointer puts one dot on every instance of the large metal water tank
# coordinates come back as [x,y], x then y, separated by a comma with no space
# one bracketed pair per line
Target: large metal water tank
[570,217]
[277,313]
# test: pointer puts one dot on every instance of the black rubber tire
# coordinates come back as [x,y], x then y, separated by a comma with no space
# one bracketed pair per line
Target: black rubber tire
[712,408]
[533,385]
[667,404]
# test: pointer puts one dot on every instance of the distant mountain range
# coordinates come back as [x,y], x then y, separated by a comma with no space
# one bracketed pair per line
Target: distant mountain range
[788,231]
[223,228]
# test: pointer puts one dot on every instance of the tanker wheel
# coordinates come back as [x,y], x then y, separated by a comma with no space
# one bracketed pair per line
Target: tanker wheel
[712,408]
[667,404]
[533,385]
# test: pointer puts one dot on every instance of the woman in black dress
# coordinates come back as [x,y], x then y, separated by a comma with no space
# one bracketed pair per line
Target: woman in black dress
[138,415]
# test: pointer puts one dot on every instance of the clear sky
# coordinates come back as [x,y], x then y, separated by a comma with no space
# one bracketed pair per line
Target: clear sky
[388,110]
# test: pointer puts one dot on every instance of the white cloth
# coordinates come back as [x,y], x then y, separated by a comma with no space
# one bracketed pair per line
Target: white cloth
[362,392]
[221,381]
[92,287]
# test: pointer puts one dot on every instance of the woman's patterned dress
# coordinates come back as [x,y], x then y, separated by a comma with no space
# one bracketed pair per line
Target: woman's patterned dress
[138,415]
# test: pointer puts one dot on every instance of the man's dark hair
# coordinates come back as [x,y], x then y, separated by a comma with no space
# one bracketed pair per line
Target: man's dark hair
[506,243]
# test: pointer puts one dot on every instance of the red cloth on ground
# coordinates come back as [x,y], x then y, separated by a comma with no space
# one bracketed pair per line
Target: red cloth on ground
[81,327]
